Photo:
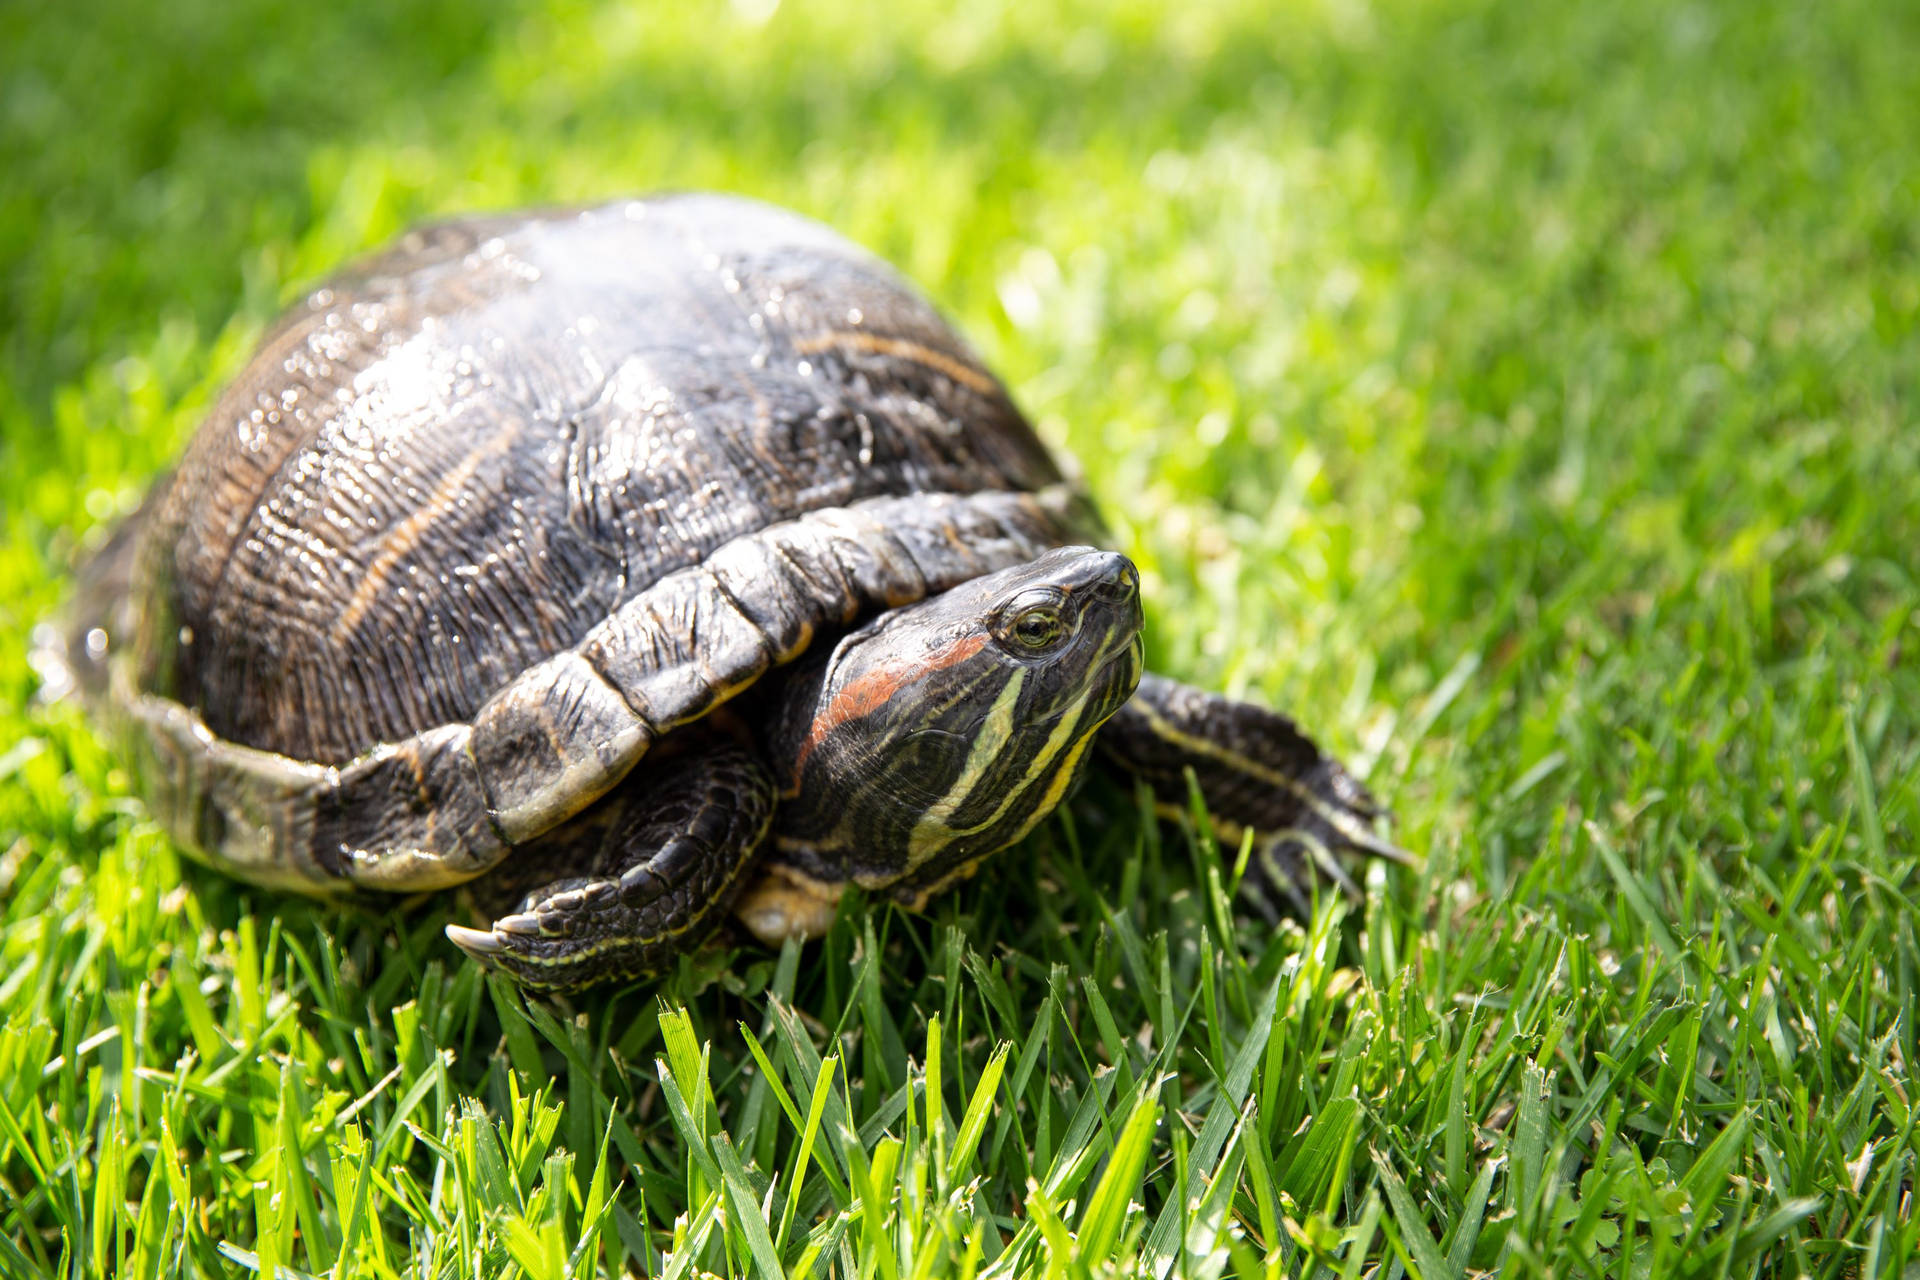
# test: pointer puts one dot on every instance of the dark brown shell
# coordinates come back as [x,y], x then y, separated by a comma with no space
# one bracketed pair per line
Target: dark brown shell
[453,462]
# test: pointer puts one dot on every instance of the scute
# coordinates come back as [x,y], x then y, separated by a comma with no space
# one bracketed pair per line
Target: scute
[552,740]
[449,586]
[459,460]
[411,816]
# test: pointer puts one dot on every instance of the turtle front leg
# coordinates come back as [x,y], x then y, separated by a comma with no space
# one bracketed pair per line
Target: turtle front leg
[637,879]
[1256,770]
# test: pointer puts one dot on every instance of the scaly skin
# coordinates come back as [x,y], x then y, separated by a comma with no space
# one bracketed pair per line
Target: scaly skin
[492,516]
[1013,673]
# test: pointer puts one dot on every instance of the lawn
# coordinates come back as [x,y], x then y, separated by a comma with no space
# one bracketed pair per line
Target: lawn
[1523,395]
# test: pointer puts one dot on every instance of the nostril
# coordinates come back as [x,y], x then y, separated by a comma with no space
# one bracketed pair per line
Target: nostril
[1118,579]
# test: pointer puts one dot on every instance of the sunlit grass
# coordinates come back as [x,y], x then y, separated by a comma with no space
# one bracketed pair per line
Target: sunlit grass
[1523,395]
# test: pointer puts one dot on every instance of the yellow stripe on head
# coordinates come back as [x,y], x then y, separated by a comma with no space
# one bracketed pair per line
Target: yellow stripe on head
[931,833]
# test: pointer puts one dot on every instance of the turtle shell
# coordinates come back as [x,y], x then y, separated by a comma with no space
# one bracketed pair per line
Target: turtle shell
[456,460]
[490,516]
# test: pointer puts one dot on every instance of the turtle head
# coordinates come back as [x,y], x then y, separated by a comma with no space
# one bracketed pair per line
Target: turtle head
[944,731]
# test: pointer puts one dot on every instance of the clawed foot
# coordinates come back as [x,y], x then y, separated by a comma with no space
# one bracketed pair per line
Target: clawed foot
[1256,771]
[640,878]
[1336,821]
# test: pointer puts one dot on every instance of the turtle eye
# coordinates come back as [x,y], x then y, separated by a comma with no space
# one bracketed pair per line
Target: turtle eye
[1037,629]
[1033,625]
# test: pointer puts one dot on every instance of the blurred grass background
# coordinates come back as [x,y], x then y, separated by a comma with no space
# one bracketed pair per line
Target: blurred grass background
[1523,395]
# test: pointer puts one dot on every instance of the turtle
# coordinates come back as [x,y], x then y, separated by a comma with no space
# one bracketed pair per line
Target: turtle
[633,566]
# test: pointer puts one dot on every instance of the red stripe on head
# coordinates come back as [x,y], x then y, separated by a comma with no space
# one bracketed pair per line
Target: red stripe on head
[870,692]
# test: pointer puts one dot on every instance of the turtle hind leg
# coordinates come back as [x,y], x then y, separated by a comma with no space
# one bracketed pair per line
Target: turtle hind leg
[1256,770]
[638,879]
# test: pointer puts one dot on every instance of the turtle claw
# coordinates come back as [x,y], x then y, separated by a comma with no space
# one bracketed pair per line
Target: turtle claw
[685,833]
[1373,845]
[480,945]
[1257,770]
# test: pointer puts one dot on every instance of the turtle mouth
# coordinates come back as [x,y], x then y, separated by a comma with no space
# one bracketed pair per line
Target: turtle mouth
[1121,593]
[1121,672]
[1112,676]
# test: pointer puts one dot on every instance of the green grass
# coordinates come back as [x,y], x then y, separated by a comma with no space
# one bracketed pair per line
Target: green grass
[1522,394]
